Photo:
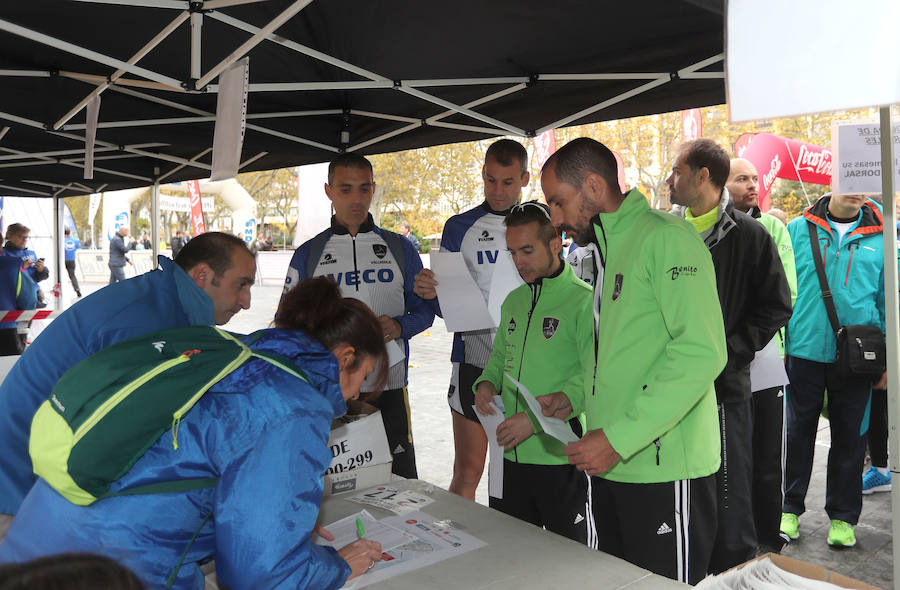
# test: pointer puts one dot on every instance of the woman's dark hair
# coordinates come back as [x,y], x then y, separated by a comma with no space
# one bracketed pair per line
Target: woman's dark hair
[68,571]
[317,307]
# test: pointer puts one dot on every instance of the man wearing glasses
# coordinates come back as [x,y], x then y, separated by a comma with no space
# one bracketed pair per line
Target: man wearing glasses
[479,235]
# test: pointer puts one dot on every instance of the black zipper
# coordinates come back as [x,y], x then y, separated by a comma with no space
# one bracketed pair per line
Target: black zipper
[536,288]
[355,269]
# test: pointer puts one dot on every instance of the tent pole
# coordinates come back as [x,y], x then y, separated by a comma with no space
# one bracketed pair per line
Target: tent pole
[892,327]
[154,218]
[15,29]
[56,278]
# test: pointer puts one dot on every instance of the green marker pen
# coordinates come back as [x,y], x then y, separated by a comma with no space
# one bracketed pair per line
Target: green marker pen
[360,529]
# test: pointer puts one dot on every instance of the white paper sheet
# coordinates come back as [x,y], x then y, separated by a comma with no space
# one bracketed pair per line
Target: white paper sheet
[495,451]
[555,427]
[345,532]
[394,352]
[767,369]
[461,300]
[435,540]
[504,279]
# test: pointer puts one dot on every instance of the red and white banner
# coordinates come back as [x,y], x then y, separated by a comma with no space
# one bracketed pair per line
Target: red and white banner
[544,146]
[30,314]
[196,208]
[780,157]
[691,125]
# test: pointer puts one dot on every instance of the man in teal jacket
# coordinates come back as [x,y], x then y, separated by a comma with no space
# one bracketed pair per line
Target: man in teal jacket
[544,341]
[848,231]
[652,427]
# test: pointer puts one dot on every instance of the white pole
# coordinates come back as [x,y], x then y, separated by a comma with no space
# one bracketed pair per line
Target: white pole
[154,219]
[892,327]
[56,277]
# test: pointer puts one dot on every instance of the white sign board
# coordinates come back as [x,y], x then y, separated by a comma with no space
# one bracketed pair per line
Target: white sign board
[183,204]
[857,151]
[846,56]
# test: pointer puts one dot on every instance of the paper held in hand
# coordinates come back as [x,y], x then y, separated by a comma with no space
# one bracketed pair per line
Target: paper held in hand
[462,302]
[555,427]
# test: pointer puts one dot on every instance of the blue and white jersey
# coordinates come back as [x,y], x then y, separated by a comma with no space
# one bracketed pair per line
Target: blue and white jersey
[581,259]
[365,268]
[480,235]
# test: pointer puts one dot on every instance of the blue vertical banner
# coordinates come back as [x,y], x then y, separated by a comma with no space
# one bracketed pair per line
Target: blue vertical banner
[1,216]
[69,222]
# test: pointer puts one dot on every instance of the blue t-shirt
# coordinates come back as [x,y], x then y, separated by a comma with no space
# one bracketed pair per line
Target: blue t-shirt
[71,245]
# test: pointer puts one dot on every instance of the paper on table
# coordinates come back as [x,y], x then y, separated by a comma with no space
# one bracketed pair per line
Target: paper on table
[344,532]
[552,426]
[461,300]
[495,451]
[394,352]
[504,278]
[767,369]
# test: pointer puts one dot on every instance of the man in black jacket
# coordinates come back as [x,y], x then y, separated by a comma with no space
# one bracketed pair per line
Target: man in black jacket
[117,255]
[756,302]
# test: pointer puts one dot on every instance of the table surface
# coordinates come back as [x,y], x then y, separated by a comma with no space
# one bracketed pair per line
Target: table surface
[518,555]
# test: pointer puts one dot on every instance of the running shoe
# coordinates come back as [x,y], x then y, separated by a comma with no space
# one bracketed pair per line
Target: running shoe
[790,525]
[873,481]
[840,534]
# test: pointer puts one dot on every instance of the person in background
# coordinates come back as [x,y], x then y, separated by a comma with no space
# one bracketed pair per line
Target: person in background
[178,243]
[71,245]
[263,434]
[118,251]
[16,246]
[407,233]
[848,231]
[17,292]
[768,403]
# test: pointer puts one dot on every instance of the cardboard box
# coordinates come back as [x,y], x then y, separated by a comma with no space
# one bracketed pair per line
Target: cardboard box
[359,447]
[812,572]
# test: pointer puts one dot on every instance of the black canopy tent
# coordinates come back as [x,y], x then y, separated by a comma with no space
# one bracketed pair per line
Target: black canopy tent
[327,76]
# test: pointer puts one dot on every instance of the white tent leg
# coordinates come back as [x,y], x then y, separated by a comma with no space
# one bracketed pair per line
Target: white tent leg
[56,277]
[892,328]
[154,220]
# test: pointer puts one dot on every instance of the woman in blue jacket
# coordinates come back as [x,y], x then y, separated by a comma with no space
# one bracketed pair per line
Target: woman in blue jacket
[264,435]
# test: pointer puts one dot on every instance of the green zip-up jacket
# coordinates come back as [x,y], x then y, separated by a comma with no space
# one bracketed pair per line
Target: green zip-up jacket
[545,341]
[660,346]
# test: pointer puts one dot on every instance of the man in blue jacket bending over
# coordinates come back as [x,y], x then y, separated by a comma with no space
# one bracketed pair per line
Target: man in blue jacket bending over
[207,284]
[377,267]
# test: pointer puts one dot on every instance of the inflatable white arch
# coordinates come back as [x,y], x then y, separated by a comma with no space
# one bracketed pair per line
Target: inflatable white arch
[116,205]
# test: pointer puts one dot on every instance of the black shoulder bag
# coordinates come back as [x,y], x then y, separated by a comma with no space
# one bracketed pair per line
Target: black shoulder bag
[860,349]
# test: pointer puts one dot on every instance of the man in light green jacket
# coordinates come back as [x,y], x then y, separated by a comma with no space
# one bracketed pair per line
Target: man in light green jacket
[545,340]
[652,427]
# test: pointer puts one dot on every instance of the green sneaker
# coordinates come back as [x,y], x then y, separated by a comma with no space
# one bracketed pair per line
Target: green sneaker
[841,534]
[790,525]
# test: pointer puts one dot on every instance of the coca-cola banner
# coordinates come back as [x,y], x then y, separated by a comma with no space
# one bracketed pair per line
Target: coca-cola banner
[691,125]
[196,208]
[544,146]
[780,157]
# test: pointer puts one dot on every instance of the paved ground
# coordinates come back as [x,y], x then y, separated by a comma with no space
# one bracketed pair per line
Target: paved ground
[870,560]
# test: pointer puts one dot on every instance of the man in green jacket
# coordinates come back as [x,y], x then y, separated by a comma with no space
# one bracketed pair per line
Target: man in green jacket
[544,341]
[768,402]
[652,428]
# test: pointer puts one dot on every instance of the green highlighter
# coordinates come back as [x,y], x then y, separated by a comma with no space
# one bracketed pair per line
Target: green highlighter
[360,529]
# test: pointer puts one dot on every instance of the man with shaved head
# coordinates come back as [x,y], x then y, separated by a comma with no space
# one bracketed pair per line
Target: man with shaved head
[768,404]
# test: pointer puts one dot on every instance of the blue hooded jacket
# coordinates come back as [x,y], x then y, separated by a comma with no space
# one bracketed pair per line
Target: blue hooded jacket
[854,267]
[18,292]
[164,298]
[264,434]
